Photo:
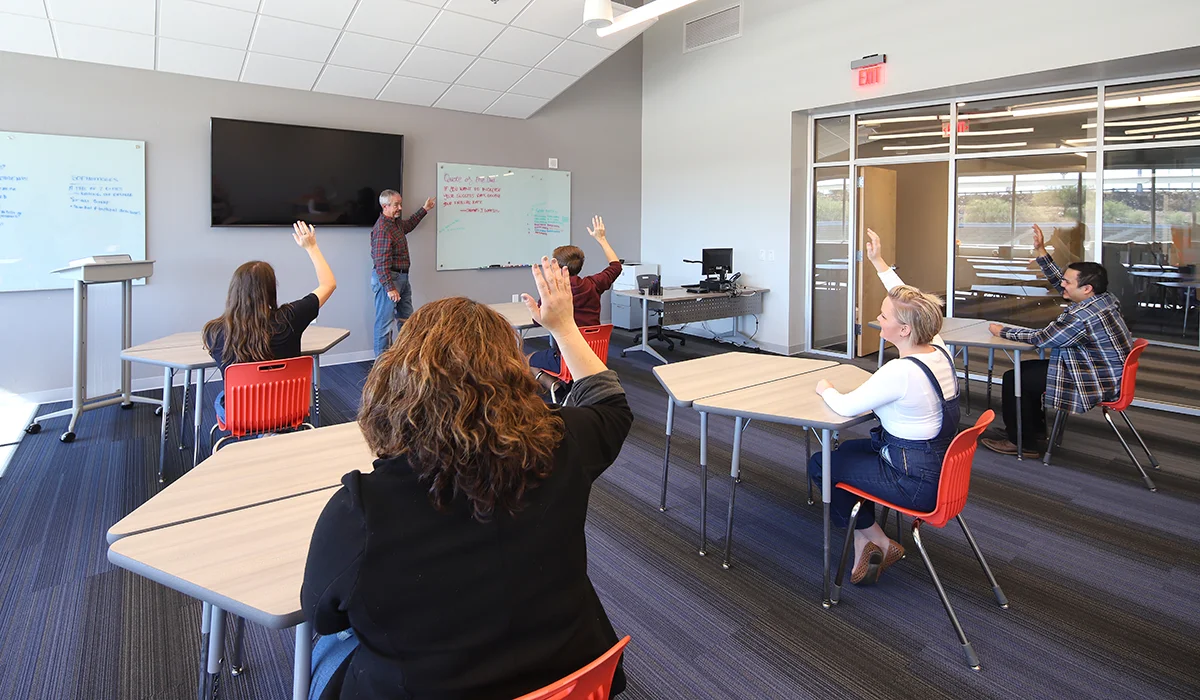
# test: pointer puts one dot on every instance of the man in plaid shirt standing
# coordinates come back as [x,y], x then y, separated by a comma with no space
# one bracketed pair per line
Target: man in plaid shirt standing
[1088,344]
[389,273]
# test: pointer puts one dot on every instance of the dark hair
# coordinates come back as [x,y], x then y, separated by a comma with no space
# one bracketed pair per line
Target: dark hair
[570,257]
[1091,274]
[249,320]
[455,394]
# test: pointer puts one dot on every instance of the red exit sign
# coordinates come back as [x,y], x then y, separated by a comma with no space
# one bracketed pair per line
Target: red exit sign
[869,69]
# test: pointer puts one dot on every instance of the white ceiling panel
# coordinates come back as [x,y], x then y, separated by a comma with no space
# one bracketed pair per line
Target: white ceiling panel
[125,15]
[555,17]
[467,99]
[280,71]
[351,82]
[96,45]
[492,75]
[432,3]
[521,46]
[413,91]
[574,58]
[327,13]
[21,34]
[542,83]
[205,24]
[369,53]
[454,32]
[516,106]
[29,8]
[246,5]
[283,37]
[175,56]
[434,64]
[503,11]
[392,19]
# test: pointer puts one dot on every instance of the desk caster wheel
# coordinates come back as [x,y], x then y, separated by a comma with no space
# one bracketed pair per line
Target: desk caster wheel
[682,341]
[126,406]
[622,353]
[33,429]
[67,437]
[158,411]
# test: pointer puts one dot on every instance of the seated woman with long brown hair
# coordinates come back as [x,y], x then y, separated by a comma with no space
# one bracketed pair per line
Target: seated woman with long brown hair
[460,562]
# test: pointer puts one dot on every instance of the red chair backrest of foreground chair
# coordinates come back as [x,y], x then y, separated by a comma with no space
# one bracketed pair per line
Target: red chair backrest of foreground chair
[597,338]
[1128,377]
[592,682]
[956,472]
[264,397]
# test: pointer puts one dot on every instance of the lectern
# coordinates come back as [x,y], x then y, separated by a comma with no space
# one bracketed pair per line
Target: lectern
[101,269]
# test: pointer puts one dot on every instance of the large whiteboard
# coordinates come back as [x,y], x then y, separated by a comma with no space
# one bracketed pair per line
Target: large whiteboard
[67,197]
[491,216]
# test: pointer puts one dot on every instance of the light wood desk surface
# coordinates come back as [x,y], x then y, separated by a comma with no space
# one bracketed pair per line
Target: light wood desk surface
[249,562]
[690,380]
[251,473]
[979,336]
[792,401]
[516,313]
[186,350]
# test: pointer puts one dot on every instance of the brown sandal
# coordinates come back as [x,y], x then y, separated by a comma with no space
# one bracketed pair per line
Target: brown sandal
[894,554]
[866,572]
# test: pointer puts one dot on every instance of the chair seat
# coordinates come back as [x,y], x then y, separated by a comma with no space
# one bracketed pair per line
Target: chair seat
[900,509]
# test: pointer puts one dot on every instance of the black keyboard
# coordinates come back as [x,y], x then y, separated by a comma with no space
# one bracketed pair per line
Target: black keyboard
[690,286]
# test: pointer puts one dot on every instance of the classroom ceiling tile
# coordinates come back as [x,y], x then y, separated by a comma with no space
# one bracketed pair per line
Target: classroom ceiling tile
[467,99]
[93,44]
[351,82]
[574,58]
[555,17]
[392,19]
[515,106]
[502,11]
[21,34]
[454,32]
[280,71]
[521,46]
[369,53]
[413,91]
[245,5]
[205,24]
[29,8]
[492,75]
[189,58]
[283,37]
[432,3]
[542,83]
[434,64]
[125,15]
[327,13]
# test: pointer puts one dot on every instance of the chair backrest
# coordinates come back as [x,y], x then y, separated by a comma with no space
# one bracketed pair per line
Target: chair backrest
[592,682]
[262,397]
[597,338]
[956,472]
[1129,376]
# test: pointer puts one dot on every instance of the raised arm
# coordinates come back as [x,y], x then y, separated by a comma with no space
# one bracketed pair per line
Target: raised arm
[598,232]
[407,225]
[1049,268]
[306,237]
[557,315]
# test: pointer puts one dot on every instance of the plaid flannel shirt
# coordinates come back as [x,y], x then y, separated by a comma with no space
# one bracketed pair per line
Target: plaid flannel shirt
[389,247]
[1089,343]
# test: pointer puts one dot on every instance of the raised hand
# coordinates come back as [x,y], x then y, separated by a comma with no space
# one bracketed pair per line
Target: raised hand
[304,235]
[557,312]
[429,204]
[597,229]
[874,248]
[1039,241]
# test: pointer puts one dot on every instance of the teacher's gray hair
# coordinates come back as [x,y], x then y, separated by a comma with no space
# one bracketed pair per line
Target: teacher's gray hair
[385,197]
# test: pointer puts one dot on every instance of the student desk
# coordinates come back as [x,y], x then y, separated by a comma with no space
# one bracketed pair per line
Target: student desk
[681,306]
[948,325]
[1189,286]
[689,381]
[185,351]
[791,401]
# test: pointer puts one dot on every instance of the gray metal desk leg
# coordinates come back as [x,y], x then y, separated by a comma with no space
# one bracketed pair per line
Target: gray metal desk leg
[967,376]
[202,680]
[662,499]
[302,665]
[826,494]
[126,342]
[704,483]
[645,345]
[881,342]
[316,412]
[1017,386]
[216,645]
[183,411]
[734,468]
[168,380]
[991,368]
[197,412]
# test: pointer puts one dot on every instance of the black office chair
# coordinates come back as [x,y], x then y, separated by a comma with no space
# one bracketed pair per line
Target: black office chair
[659,333]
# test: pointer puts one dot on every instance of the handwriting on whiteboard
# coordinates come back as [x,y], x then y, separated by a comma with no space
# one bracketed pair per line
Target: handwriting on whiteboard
[471,195]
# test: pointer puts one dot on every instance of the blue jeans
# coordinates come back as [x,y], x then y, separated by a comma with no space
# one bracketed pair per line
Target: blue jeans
[219,405]
[547,359]
[387,311]
[910,479]
[329,656]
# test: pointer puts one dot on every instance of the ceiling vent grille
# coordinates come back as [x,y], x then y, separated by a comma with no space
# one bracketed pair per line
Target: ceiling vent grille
[713,29]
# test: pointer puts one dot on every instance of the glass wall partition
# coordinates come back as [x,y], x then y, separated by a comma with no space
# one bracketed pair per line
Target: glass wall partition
[831,258]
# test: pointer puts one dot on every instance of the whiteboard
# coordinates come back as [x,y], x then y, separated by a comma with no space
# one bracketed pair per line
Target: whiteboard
[67,197]
[490,216]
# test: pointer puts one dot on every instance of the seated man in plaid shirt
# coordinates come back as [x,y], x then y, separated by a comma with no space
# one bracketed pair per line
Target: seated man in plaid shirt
[1088,345]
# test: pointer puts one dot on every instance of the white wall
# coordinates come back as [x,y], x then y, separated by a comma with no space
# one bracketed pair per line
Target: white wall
[717,123]
[591,128]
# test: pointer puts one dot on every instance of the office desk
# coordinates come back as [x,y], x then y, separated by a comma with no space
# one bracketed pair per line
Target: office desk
[681,306]
[1189,286]
[516,313]
[791,401]
[692,380]
[1014,290]
[185,351]
[948,325]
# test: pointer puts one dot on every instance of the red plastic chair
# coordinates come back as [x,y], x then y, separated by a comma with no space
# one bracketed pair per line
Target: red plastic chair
[597,338]
[952,496]
[1128,383]
[592,682]
[266,397]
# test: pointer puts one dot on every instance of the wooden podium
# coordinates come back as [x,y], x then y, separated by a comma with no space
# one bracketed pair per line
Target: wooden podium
[98,270]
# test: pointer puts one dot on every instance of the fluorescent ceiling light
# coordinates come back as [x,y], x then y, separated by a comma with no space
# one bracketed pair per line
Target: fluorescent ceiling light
[1141,122]
[996,132]
[910,134]
[981,146]
[1152,129]
[1054,109]
[916,148]
[1177,135]
[984,115]
[645,13]
[896,120]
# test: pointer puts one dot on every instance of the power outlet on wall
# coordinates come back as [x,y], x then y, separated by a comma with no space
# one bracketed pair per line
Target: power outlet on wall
[770,256]
[762,254]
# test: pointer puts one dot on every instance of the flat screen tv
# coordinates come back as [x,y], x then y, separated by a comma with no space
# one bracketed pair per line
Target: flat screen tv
[275,174]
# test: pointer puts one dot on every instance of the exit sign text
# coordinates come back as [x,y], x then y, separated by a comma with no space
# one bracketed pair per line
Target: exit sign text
[871,75]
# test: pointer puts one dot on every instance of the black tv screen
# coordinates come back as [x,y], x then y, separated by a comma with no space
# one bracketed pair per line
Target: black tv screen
[275,174]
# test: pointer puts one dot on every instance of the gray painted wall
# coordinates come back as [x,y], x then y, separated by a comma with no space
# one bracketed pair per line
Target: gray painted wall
[593,129]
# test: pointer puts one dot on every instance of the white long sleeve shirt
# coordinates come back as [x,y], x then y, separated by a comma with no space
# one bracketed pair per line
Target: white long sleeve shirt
[899,392]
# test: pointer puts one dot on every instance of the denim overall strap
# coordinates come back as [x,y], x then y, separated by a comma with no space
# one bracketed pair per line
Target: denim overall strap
[950,412]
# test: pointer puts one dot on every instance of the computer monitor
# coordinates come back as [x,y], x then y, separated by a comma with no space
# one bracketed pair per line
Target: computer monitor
[716,261]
